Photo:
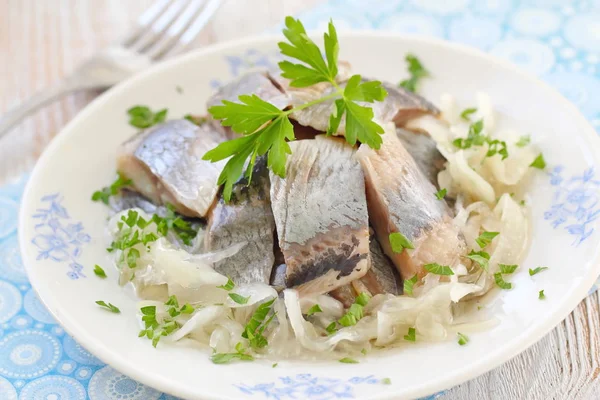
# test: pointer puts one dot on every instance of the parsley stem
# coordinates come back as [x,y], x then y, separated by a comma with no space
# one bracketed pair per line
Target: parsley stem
[333,95]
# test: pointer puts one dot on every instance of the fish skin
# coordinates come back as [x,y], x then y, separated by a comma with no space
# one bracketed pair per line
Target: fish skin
[165,164]
[424,151]
[247,217]
[323,234]
[401,199]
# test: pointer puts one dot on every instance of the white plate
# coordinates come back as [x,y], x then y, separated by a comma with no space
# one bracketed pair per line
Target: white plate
[62,231]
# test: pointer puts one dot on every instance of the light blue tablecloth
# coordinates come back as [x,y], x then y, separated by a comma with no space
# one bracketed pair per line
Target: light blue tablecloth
[558,40]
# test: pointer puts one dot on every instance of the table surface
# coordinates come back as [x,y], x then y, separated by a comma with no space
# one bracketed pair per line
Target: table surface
[40,41]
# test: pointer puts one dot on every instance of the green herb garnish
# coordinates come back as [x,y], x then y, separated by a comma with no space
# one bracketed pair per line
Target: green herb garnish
[348,360]
[274,365]
[440,194]
[313,310]
[438,269]
[196,120]
[462,339]
[99,271]
[239,298]
[536,270]
[541,295]
[363,352]
[416,71]
[355,312]
[539,162]
[228,286]
[253,331]
[507,269]
[474,137]
[110,307]
[467,113]
[409,284]
[386,381]
[105,193]
[399,242]
[480,257]
[502,284]
[411,336]
[142,117]
[224,358]
[524,141]
[331,328]
[265,129]
[486,238]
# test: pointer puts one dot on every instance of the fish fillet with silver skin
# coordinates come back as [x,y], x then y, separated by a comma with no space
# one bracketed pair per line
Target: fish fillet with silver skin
[165,164]
[401,199]
[246,218]
[321,216]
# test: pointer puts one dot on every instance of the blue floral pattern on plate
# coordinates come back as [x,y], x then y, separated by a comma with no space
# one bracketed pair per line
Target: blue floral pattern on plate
[57,237]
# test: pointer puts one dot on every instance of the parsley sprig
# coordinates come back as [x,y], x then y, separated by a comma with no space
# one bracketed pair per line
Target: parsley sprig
[254,329]
[265,129]
[416,70]
[105,193]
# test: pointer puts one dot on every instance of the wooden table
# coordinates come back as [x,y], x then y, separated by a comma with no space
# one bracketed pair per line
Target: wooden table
[40,41]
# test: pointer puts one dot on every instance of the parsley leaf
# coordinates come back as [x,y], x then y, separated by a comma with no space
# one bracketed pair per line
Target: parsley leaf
[440,194]
[411,336]
[541,295]
[224,358]
[348,360]
[438,269]
[331,328]
[539,162]
[481,258]
[524,141]
[253,331]
[355,311]
[462,339]
[274,365]
[507,269]
[99,271]
[194,119]
[143,117]
[313,310]
[399,242]
[474,137]
[239,298]
[416,71]
[110,307]
[486,238]
[467,112]
[228,286]
[409,284]
[537,270]
[386,381]
[502,284]
[105,193]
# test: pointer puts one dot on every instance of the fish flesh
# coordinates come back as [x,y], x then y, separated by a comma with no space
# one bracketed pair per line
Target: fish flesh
[423,149]
[165,164]
[399,106]
[321,215]
[401,199]
[382,277]
[246,218]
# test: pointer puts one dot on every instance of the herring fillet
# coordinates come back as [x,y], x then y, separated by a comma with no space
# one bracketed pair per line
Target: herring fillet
[401,199]
[165,164]
[321,215]
[248,218]
[423,149]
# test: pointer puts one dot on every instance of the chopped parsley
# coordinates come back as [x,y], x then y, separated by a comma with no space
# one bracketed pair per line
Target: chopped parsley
[313,310]
[363,352]
[480,257]
[411,336]
[194,119]
[501,283]
[507,269]
[110,307]
[399,242]
[467,113]
[228,286]
[536,270]
[539,162]
[486,238]
[541,295]
[142,117]
[348,360]
[476,138]
[239,298]
[386,381]
[274,365]
[524,141]
[355,312]
[438,269]
[105,193]
[462,339]
[409,284]
[153,329]
[253,331]
[224,358]
[99,271]
[416,71]
[440,194]
[331,328]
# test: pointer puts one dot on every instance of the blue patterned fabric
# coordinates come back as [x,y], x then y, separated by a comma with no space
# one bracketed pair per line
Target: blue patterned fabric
[559,40]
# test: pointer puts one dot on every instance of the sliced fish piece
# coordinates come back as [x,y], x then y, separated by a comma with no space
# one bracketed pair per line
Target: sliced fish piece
[165,164]
[247,218]
[399,106]
[321,215]
[424,151]
[278,277]
[401,199]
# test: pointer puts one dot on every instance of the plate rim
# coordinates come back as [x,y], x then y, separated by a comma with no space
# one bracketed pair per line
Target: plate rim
[469,371]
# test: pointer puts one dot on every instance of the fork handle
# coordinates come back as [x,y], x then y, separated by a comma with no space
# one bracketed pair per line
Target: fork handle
[34,103]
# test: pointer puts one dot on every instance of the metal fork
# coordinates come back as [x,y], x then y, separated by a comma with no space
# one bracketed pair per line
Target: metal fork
[164,30]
